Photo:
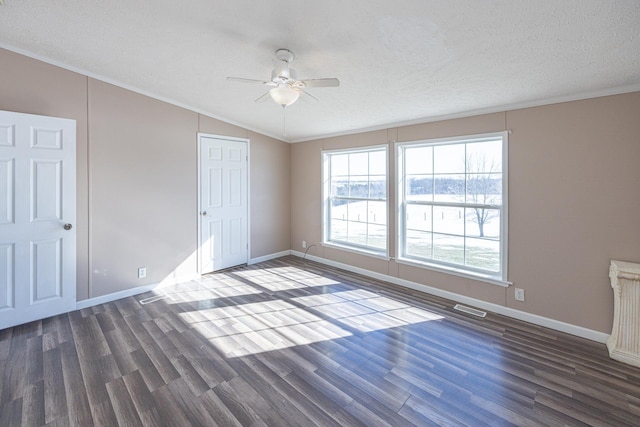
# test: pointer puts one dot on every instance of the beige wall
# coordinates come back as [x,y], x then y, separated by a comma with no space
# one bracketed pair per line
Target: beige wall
[573,204]
[573,190]
[143,180]
[33,87]
[137,176]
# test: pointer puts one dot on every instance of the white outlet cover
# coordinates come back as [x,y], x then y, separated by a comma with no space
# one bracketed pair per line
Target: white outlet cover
[142,272]
[519,294]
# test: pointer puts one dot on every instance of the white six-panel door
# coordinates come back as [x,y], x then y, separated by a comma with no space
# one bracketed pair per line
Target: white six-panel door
[223,203]
[37,217]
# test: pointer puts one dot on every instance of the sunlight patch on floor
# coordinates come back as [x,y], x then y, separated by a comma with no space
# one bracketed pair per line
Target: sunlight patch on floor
[222,308]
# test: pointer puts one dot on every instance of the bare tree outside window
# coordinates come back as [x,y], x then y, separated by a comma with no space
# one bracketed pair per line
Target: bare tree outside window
[451,202]
[484,184]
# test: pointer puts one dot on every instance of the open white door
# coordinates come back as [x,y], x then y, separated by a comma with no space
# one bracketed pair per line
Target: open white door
[223,201]
[37,217]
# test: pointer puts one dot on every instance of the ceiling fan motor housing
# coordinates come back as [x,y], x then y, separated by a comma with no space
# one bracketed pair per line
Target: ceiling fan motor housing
[285,55]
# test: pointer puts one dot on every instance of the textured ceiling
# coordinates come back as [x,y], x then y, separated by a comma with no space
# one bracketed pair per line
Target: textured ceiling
[401,61]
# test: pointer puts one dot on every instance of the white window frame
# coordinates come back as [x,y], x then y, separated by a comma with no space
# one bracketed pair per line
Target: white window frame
[326,203]
[498,278]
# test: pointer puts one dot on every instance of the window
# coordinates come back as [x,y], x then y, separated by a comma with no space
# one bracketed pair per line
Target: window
[355,199]
[452,198]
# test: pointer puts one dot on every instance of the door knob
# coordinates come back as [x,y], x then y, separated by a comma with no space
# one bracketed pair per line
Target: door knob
[204,213]
[68,226]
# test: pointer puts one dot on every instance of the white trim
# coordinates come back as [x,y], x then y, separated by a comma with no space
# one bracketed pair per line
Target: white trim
[115,296]
[401,205]
[325,229]
[535,319]
[247,141]
[455,272]
[135,89]
[248,200]
[357,250]
[269,257]
[103,299]
[617,90]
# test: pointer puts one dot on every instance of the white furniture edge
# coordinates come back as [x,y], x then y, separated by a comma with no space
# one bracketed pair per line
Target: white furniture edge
[624,342]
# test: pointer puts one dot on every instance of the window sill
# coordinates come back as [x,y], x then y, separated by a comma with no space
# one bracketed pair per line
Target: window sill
[456,272]
[356,250]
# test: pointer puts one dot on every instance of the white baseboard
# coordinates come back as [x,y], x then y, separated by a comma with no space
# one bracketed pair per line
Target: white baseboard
[499,309]
[103,299]
[269,257]
[535,319]
[115,296]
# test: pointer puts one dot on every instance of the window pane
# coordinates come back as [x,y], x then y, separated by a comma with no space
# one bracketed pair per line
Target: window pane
[340,186]
[418,217]
[446,186]
[356,191]
[377,236]
[449,158]
[377,213]
[482,253]
[448,248]
[359,188]
[418,160]
[378,163]
[419,187]
[338,209]
[484,188]
[339,164]
[485,156]
[377,187]
[449,188]
[358,211]
[357,233]
[359,164]
[338,230]
[418,244]
[482,222]
[448,220]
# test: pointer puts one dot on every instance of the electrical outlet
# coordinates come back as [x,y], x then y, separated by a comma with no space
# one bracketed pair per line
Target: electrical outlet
[142,272]
[519,293]
[304,244]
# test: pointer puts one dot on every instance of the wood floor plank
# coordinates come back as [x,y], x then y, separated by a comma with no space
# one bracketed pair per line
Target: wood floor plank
[122,403]
[214,406]
[169,412]
[292,342]
[197,415]
[55,401]
[11,413]
[284,398]
[79,411]
[33,405]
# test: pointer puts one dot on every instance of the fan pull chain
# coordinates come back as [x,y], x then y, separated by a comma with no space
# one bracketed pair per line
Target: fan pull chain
[284,120]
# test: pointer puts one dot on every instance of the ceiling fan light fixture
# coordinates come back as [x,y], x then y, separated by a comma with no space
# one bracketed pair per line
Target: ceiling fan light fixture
[284,95]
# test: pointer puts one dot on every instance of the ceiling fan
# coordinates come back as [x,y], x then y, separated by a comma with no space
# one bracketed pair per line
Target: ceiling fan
[284,79]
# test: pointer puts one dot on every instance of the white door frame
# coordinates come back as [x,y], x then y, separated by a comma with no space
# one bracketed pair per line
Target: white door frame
[201,135]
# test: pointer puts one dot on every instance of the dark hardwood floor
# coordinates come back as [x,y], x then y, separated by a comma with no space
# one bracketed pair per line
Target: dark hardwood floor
[292,342]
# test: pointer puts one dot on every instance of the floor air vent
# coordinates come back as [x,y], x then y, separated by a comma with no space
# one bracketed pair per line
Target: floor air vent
[470,310]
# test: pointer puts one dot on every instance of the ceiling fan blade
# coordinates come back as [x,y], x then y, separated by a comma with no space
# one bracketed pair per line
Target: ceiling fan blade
[243,80]
[309,95]
[321,82]
[263,97]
